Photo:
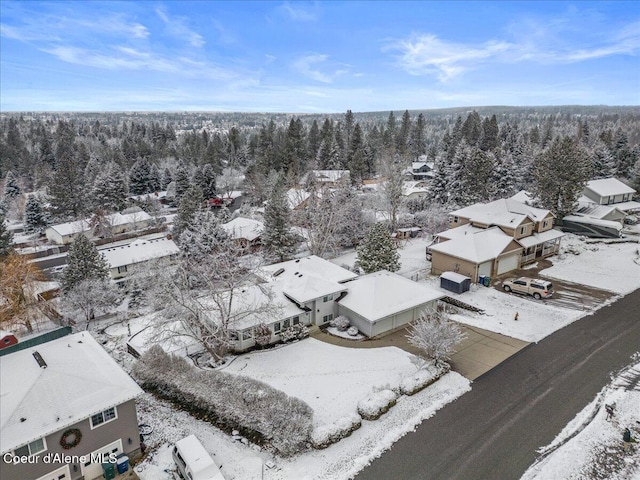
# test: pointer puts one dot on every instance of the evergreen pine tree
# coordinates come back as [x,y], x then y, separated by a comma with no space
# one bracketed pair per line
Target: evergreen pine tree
[167,178]
[202,236]
[6,237]
[155,179]
[84,262]
[36,218]
[277,238]
[182,182]
[67,188]
[377,251]
[11,188]
[191,201]
[140,178]
[109,189]
[207,181]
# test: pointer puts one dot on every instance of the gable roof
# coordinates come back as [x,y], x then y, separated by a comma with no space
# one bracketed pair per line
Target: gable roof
[79,380]
[377,295]
[330,175]
[139,251]
[244,228]
[595,210]
[505,212]
[115,219]
[296,197]
[606,187]
[478,247]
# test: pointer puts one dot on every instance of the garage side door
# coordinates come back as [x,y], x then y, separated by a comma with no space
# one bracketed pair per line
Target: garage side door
[61,473]
[508,263]
[94,470]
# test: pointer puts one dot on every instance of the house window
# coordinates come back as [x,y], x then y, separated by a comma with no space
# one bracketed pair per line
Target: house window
[327,318]
[523,230]
[296,320]
[103,417]
[286,323]
[122,269]
[247,334]
[327,298]
[456,219]
[233,336]
[545,223]
[32,448]
[276,327]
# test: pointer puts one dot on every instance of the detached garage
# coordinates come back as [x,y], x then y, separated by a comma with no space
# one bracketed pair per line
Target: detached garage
[381,301]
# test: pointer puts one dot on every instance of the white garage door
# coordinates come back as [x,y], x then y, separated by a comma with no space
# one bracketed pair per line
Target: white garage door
[60,474]
[94,470]
[508,263]
[485,268]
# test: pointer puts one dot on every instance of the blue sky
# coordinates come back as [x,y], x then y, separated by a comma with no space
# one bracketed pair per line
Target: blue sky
[316,56]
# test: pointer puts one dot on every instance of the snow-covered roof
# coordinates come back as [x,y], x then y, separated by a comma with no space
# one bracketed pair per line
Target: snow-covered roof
[478,247]
[504,212]
[593,221]
[538,238]
[244,228]
[630,206]
[454,277]
[256,304]
[198,459]
[330,175]
[115,219]
[414,188]
[606,187]
[296,196]
[307,278]
[598,211]
[147,196]
[79,380]
[462,230]
[523,197]
[139,251]
[383,293]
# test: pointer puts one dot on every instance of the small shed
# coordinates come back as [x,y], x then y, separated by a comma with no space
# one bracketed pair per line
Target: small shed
[454,282]
[7,339]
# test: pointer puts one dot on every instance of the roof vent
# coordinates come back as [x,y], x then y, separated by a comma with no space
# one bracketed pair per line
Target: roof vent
[298,261]
[39,359]
[278,272]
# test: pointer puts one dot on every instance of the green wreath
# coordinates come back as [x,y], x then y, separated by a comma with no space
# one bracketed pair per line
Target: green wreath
[76,436]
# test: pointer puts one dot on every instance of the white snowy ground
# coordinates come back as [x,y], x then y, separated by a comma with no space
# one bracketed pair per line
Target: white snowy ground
[590,446]
[332,380]
[613,267]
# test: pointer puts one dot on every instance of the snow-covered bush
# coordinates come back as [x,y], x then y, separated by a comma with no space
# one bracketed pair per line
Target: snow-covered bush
[262,335]
[422,378]
[341,323]
[353,331]
[326,435]
[261,413]
[376,404]
[294,332]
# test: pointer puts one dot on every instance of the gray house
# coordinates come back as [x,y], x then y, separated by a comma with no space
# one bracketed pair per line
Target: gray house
[66,397]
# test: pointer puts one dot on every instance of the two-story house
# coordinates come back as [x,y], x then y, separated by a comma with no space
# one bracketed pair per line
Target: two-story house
[69,407]
[520,234]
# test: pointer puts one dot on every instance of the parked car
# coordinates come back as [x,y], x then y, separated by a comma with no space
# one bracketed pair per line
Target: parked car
[529,286]
[193,461]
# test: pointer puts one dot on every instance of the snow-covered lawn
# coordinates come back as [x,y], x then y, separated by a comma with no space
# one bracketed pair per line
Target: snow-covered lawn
[332,380]
[609,266]
[590,446]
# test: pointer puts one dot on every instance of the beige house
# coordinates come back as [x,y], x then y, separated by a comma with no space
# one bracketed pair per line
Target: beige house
[608,191]
[519,234]
[65,233]
[123,259]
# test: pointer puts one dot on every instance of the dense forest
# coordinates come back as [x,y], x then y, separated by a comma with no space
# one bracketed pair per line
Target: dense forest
[93,161]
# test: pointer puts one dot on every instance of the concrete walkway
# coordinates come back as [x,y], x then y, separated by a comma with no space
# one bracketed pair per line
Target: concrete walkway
[477,354]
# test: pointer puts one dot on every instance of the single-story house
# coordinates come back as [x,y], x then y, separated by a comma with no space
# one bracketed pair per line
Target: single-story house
[379,302]
[65,233]
[608,191]
[124,258]
[297,198]
[488,252]
[246,232]
[414,189]
[331,178]
[66,398]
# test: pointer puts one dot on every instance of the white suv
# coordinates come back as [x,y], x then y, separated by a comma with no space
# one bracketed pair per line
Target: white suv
[529,286]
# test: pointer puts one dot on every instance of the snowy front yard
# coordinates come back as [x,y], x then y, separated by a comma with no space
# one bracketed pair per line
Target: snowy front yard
[332,380]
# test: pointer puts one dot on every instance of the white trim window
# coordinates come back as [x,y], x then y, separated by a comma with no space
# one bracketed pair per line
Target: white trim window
[545,223]
[327,318]
[523,230]
[32,448]
[276,327]
[327,298]
[103,417]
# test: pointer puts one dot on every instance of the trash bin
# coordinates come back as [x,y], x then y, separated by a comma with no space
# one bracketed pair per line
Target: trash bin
[122,462]
[109,471]
[487,281]
[481,279]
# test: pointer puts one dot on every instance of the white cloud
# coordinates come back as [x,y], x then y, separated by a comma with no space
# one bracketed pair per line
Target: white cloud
[298,13]
[176,27]
[308,66]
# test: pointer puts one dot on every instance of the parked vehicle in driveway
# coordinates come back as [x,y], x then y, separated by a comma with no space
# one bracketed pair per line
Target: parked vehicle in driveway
[529,286]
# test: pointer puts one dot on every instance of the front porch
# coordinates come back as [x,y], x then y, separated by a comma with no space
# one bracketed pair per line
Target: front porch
[540,245]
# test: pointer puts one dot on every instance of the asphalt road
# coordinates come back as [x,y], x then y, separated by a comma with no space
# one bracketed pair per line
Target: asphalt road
[492,432]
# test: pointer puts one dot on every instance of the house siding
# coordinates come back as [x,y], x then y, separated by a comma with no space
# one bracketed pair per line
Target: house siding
[441,262]
[385,324]
[124,427]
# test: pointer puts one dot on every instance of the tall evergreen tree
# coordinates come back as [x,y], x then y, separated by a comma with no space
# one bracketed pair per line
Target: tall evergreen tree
[140,178]
[417,144]
[167,178]
[190,202]
[11,188]
[277,239]
[155,178]
[36,218]
[357,165]
[207,181]
[84,262]
[313,140]
[6,237]
[560,174]
[377,251]
[109,189]
[182,182]
[402,138]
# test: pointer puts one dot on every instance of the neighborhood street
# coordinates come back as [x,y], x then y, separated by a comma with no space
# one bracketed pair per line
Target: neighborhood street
[493,431]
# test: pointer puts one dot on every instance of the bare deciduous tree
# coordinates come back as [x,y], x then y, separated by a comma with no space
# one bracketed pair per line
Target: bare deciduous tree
[435,334]
[89,297]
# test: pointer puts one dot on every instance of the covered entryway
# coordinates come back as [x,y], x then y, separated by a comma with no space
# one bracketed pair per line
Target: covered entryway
[92,470]
[61,473]
[508,263]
